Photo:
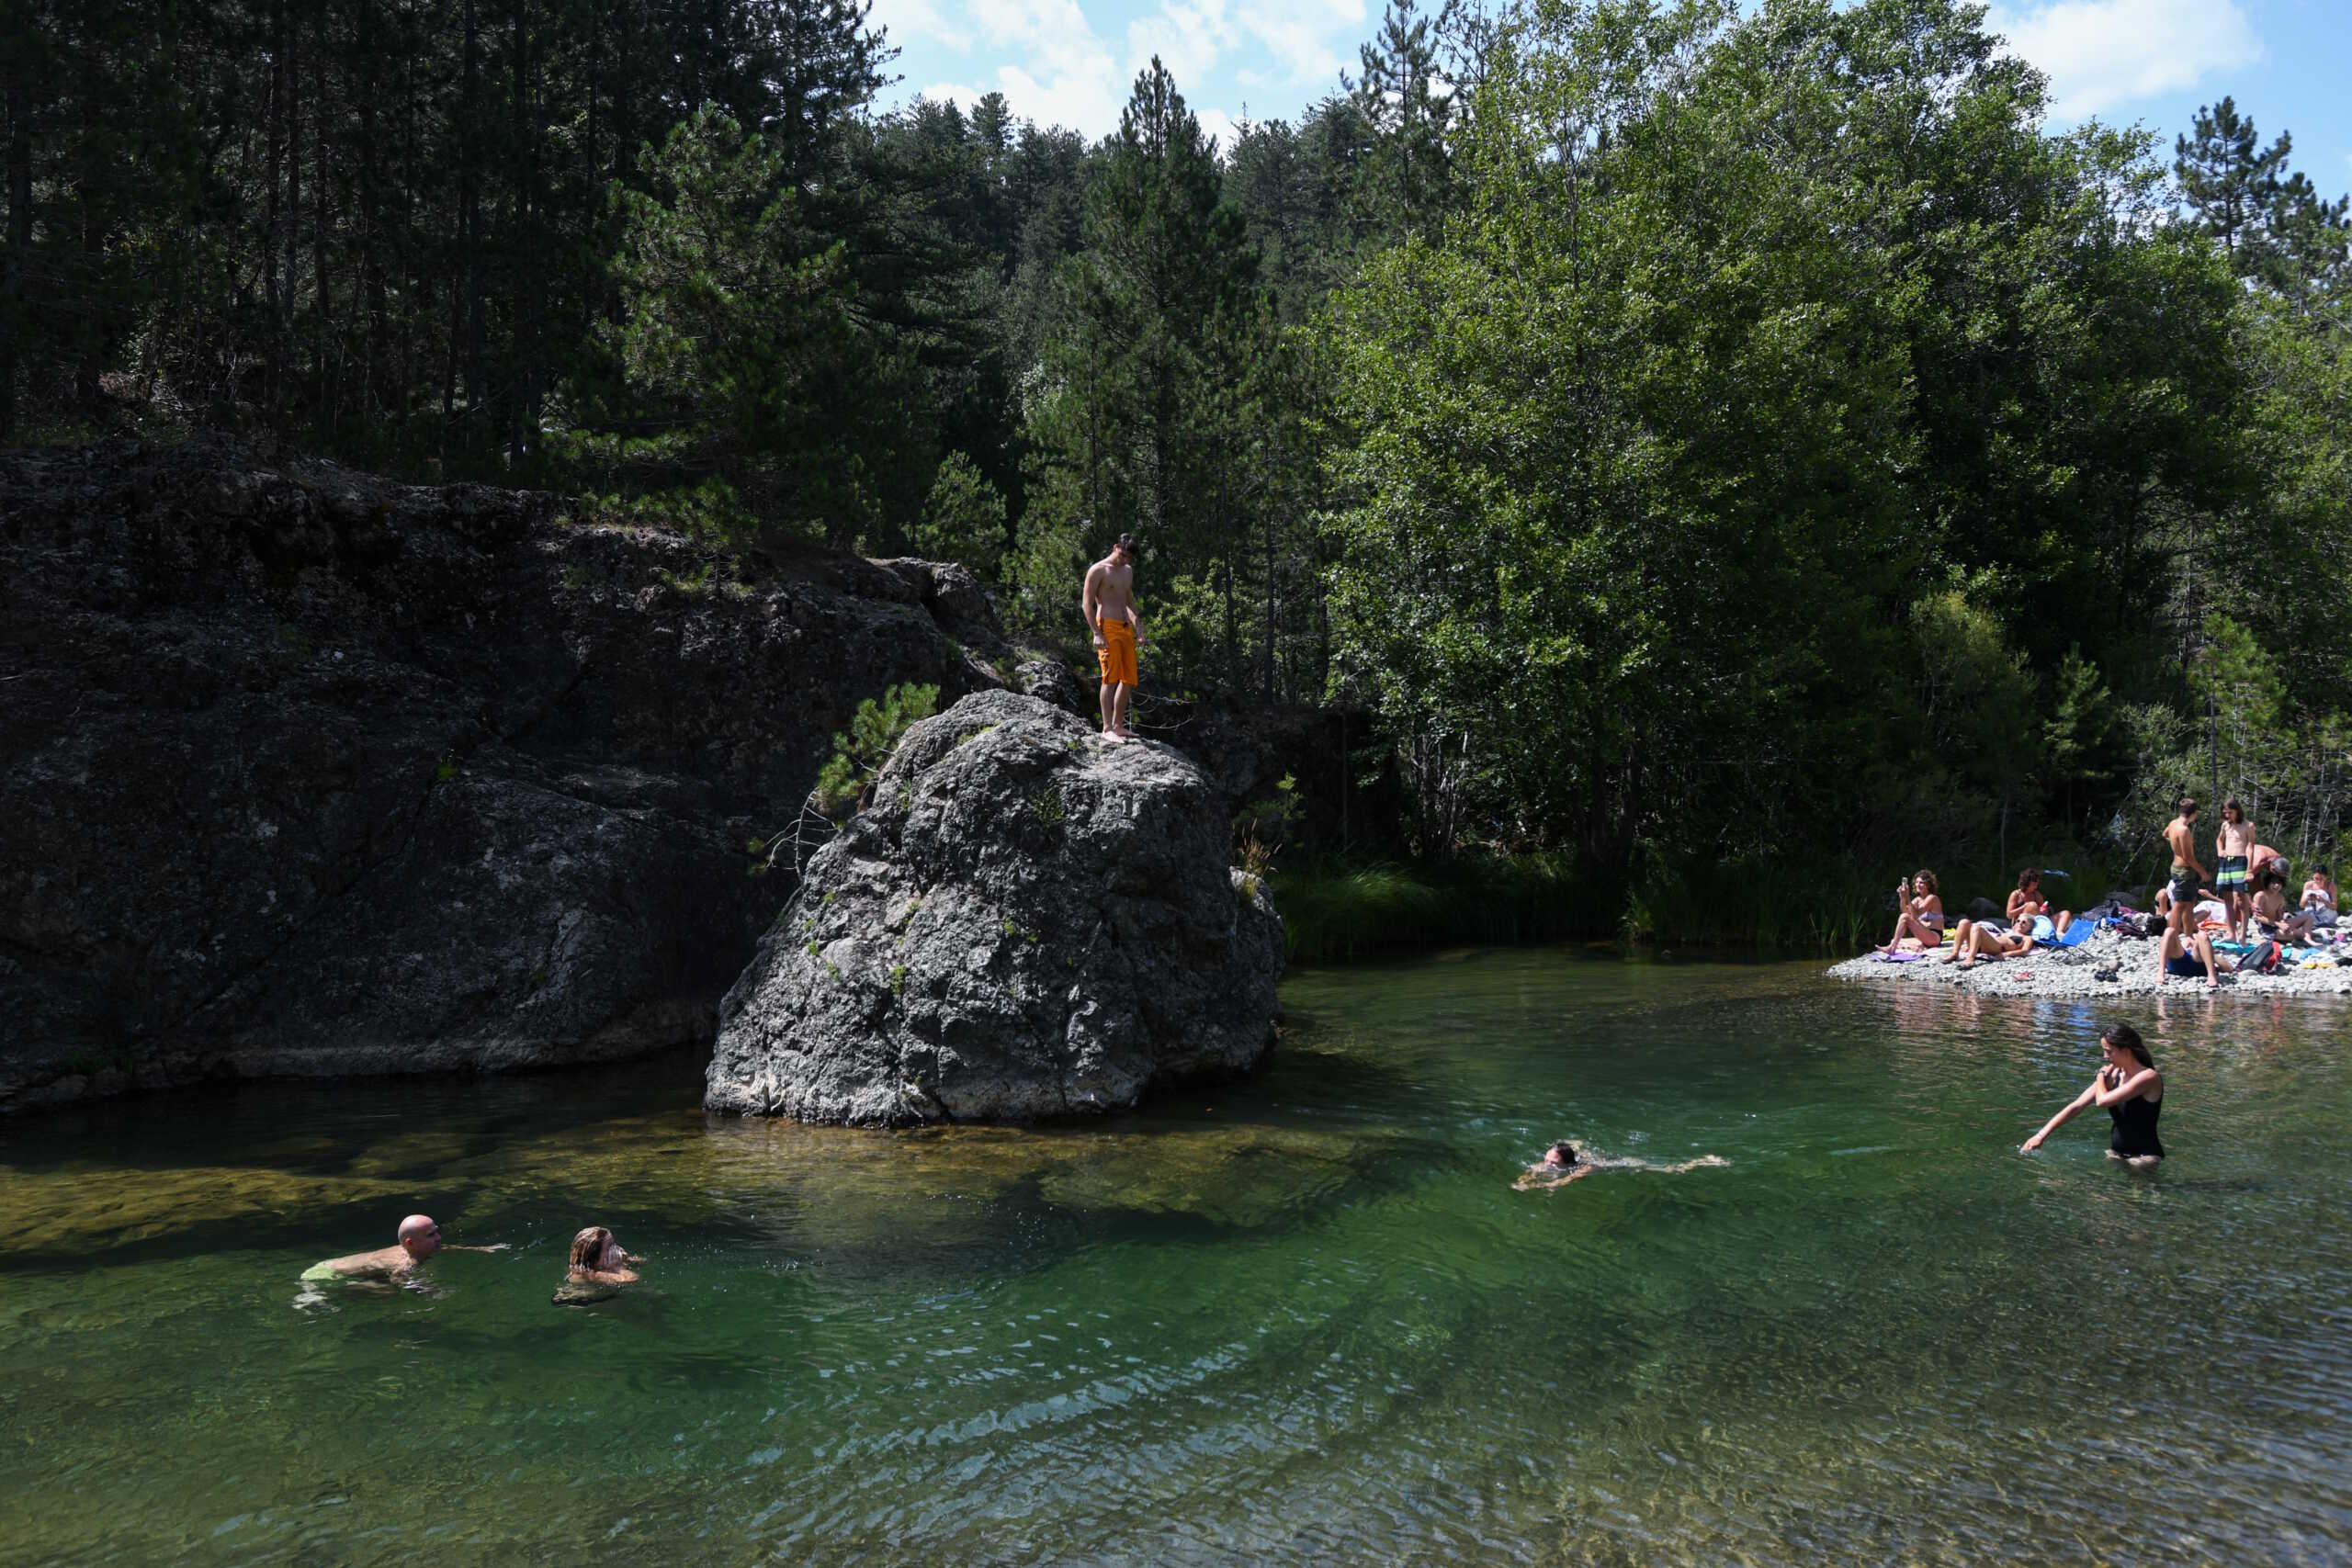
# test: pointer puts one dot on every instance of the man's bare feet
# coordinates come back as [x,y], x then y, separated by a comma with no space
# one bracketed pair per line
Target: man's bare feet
[1116,738]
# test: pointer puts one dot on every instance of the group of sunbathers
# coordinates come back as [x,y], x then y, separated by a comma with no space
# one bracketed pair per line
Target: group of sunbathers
[2247,899]
[2244,899]
[2028,918]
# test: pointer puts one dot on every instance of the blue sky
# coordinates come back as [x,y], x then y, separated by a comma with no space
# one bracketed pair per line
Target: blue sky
[1071,61]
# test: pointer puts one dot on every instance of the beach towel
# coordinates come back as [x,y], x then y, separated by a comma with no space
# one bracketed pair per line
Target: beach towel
[1897,957]
[2073,935]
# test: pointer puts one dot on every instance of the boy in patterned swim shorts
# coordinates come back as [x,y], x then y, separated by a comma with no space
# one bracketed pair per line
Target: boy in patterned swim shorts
[2233,851]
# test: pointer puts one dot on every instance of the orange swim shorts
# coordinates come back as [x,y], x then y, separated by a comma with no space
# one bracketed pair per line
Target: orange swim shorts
[1117,654]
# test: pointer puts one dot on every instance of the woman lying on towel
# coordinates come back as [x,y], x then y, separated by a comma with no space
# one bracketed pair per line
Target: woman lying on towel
[1985,939]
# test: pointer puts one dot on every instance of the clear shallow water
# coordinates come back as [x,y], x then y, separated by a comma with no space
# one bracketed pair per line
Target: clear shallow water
[1293,1320]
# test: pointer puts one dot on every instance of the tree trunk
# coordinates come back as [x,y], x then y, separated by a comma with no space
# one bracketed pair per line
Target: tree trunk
[14,272]
[523,383]
[623,130]
[324,351]
[1270,606]
[469,225]
[371,216]
[89,359]
[289,78]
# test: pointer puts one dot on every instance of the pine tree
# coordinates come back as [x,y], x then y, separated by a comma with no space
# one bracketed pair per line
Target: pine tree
[1410,111]
[2228,183]
[1165,269]
[2309,245]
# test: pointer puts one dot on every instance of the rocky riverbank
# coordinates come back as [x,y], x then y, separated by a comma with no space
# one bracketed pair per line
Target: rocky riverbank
[2106,964]
[309,772]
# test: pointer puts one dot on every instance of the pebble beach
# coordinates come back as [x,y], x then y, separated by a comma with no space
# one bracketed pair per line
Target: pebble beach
[2074,972]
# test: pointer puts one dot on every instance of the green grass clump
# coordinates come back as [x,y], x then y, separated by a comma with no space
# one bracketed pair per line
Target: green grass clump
[1334,910]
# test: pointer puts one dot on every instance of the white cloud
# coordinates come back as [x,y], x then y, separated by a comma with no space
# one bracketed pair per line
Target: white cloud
[1067,74]
[1311,41]
[955,93]
[2102,54]
[1189,36]
[919,22]
[1047,58]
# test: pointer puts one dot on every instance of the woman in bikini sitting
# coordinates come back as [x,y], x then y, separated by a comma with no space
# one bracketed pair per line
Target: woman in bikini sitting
[2320,900]
[1920,928]
[2029,903]
[2132,1092]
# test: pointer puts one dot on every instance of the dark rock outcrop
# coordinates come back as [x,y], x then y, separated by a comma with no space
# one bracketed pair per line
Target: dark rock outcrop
[309,772]
[1028,921]
[1049,680]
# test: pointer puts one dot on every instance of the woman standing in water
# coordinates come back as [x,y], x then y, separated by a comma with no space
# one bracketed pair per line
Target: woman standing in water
[2133,1091]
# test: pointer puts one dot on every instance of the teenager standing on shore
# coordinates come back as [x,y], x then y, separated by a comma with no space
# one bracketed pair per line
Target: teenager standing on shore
[2233,854]
[2187,873]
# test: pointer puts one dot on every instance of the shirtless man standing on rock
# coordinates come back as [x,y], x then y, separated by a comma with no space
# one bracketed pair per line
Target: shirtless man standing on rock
[420,1238]
[1108,605]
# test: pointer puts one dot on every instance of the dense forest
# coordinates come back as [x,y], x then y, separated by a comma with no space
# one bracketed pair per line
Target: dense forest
[1694,439]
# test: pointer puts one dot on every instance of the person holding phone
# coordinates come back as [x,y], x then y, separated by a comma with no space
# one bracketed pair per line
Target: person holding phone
[1919,926]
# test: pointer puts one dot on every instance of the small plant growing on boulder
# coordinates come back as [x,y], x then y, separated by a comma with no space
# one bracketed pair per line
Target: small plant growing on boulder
[873,732]
[1261,828]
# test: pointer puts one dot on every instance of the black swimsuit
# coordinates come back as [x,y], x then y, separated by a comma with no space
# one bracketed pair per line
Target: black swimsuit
[2135,1127]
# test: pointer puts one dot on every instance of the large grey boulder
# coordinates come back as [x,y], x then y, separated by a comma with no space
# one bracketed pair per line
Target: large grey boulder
[1027,921]
[304,772]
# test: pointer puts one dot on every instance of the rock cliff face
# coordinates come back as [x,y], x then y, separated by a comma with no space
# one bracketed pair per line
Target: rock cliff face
[306,772]
[1027,921]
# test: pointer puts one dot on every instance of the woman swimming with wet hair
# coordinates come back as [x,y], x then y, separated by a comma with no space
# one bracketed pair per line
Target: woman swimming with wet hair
[599,1266]
[598,1256]
[1562,1164]
[2130,1089]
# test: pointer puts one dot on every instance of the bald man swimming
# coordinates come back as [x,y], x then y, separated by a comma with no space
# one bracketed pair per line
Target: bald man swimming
[420,1238]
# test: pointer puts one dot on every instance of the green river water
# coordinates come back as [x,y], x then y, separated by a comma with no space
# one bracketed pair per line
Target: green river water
[1303,1319]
